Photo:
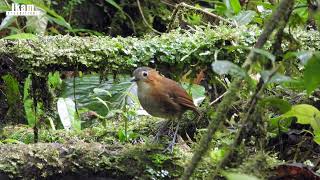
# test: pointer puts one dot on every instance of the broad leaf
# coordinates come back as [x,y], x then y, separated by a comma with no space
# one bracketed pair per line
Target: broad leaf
[244,17]
[67,111]
[89,87]
[37,24]
[305,114]
[312,74]
[303,56]
[265,53]
[28,102]
[295,84]
[4,8]
[316,137]
[59,21]
[21,36]
[197,92]
[114,4]
[54,80]
[236,7]
[51,14]
[227,67]
[282,105]
[276,78]
[7,21]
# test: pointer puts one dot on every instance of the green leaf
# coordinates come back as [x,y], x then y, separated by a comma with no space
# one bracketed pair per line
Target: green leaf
[276,78]
[103,102]
[4,8]
[11,89]
[21,36]
[295,84]
[265,53]
[227,67]
[217,154]
[7,21]
[305,114]
[312,74]
[316,137]
[282,105]
[99,91]
[86,92]
[51,14]
[11,141]
[302,13]
[197,92]
[28,107]
[37,24]
[303,56]
[114,4]
[67,112]
[278,123]
[122,136]
[28,102]
[235,4]
[54,80]
[239,176]
[59,21]
[244,17]
[316,16]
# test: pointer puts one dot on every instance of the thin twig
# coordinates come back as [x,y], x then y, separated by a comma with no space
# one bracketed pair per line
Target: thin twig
[208,13]
[144,19]
[215,123]
[252,107]
[74,92]
[216,100]
[269,27]
[234,88]
[132,23]
[180,5]
[167,3]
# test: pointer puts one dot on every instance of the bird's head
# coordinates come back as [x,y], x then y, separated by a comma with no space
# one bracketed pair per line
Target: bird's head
[144,75]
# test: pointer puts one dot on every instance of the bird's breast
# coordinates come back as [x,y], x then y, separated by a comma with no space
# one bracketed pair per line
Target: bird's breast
[150,100]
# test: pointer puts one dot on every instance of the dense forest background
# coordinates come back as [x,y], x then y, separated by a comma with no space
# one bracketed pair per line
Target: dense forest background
[68,109]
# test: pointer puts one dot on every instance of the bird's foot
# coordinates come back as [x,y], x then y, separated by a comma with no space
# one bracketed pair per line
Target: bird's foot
[162,128]
[169,148]
[171,145]
[157,136]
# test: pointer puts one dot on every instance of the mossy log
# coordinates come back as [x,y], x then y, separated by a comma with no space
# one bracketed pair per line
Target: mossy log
[177,49]
[86,161]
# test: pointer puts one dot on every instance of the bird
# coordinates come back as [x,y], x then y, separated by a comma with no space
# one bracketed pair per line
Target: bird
[162,97]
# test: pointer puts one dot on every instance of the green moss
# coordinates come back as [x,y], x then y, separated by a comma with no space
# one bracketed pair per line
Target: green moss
[119,54]
[152,163]
[144,127]
[259,165]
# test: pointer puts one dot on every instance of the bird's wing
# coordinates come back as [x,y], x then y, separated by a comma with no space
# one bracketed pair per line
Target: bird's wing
[180,96]
[173,97]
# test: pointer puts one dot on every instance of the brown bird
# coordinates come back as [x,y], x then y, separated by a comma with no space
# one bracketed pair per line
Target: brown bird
[162,97]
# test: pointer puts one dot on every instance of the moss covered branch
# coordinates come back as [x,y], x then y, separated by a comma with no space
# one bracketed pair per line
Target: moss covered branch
[178,49]
[79,159]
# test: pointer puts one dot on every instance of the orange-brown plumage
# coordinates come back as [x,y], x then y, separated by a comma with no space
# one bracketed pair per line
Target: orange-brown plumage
[160,96]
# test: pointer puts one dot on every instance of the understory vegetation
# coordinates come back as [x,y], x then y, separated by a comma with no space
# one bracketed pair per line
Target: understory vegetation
[68,108]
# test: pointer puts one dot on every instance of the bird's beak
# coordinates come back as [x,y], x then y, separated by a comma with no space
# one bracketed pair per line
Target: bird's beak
[134,79]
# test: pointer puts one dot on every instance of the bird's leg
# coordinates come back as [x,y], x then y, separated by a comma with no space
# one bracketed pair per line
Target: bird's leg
[162,127]
[171,145]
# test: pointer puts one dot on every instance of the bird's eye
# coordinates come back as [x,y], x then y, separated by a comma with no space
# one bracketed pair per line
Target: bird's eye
[145,74]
